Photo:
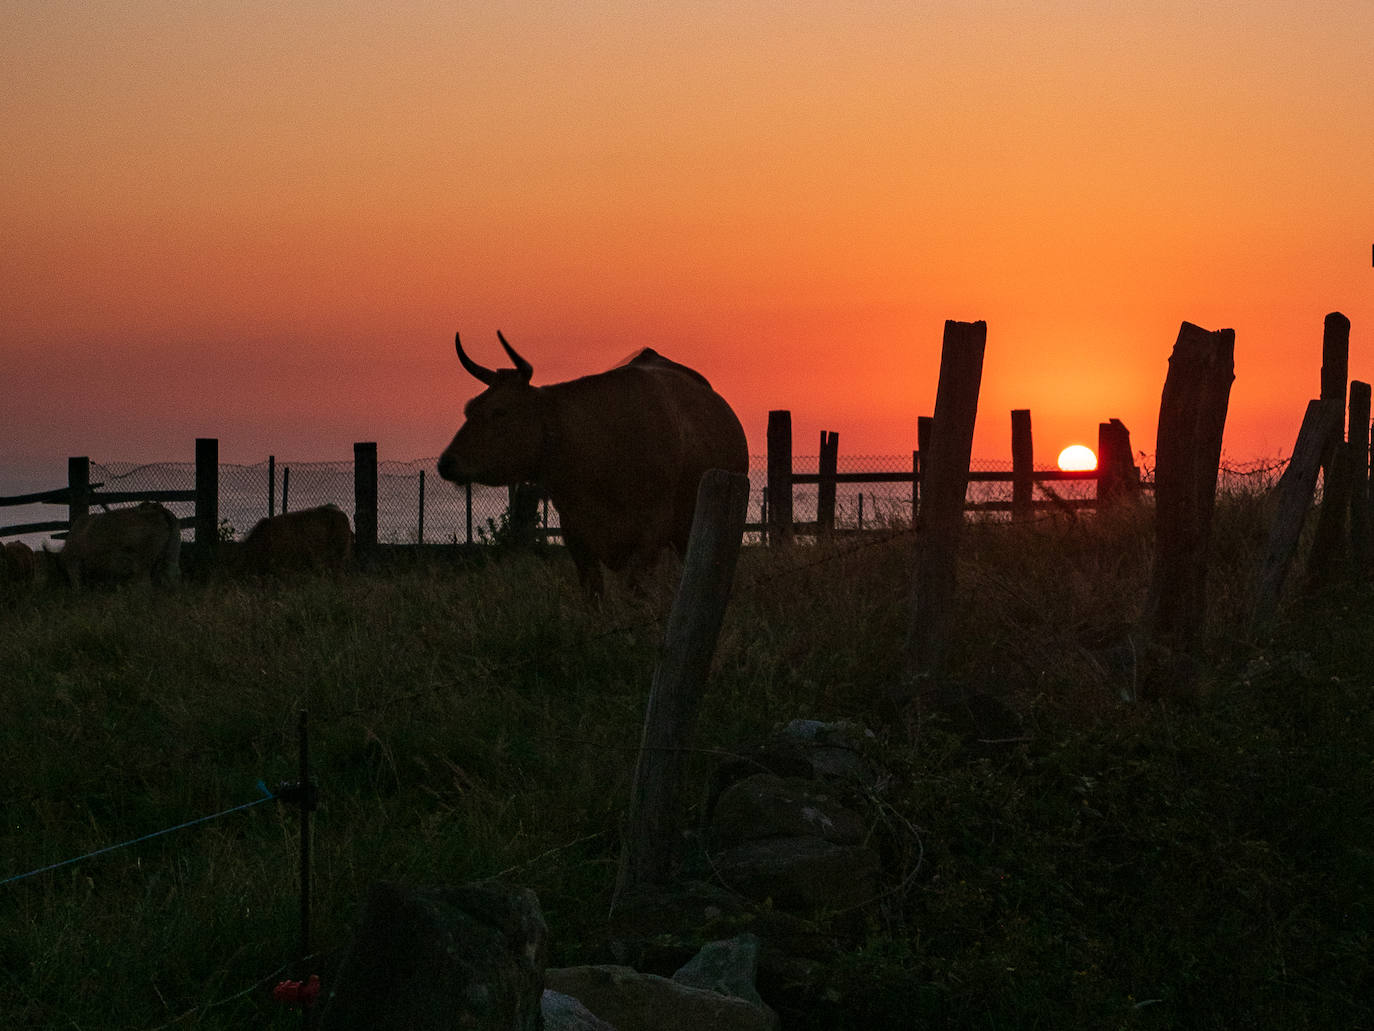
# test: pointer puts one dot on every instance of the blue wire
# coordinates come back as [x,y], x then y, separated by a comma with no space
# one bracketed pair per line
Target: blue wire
[267,797]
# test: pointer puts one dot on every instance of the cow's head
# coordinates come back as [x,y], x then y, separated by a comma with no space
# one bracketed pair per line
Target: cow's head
[502,439]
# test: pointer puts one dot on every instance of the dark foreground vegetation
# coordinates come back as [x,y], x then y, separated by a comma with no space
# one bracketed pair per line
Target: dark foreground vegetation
[1077,862]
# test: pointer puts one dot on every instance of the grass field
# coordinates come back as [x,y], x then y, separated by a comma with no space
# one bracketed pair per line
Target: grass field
[1151,865]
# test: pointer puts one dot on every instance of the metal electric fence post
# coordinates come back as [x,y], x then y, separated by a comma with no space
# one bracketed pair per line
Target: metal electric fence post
[304,794]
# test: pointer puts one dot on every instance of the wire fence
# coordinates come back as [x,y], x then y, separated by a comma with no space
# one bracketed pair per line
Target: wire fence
[415,506]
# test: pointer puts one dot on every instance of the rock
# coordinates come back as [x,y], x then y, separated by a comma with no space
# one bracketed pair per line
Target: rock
[726,967]
[469,956]
[803,873]
[766,805]
[564,1013]
[632,1001]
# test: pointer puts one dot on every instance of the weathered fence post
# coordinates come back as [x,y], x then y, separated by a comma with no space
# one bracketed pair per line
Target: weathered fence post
[1022,466]
[207,496]
[271,486]
[1335,368]
[1332,517]
[1192,416]
[1358,444]
[654,819]
[365,497]
[825,491]
[921,464]
[78,489]
[779,477]
[1117,475]
[1320,423]
[944,488]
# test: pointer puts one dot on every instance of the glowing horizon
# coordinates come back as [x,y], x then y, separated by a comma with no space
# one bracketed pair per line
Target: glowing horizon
[264,224]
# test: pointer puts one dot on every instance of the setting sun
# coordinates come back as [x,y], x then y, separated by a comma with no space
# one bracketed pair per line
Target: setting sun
[1077,458]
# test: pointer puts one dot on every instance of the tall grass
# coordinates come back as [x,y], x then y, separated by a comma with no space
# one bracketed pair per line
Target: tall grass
[1104,865]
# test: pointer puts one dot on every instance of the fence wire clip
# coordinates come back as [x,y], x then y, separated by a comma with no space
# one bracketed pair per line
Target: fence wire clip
[298,993]
[298,793]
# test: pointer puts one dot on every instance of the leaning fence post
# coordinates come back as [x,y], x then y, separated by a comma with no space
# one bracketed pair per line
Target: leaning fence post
[207,495]
[943,493]
[1022,465]
[1358,444]
[654,819]
[1320,423]
[1192,416]
[779,477]
[365,497]
[78,489]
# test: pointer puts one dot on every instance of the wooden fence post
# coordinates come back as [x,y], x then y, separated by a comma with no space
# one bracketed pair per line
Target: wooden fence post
[1358,443]
[207,496]
[1335,367]
[1192,416]
[1117,475]
[365,497]
[921,463]
[1332,517]
[654,820]
[78,489]
[945,486]
[779,477]
[825,491]
[1022,466]
[1320,423]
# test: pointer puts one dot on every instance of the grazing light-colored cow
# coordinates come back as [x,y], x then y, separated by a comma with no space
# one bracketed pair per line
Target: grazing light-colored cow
[17,564]
[123,544]
[310,539]
[621,453]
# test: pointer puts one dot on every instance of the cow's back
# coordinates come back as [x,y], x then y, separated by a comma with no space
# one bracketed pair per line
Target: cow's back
[123,544]
[308,539]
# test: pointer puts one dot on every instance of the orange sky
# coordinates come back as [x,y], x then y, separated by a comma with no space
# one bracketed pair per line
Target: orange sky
[264,221]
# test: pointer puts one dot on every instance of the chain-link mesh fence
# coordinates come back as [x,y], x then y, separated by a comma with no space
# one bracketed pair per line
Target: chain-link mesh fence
[444,513]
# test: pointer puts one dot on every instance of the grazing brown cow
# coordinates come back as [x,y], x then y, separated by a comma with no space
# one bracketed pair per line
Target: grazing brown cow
[621,453]
[310,539]
[123,544]
[17,563]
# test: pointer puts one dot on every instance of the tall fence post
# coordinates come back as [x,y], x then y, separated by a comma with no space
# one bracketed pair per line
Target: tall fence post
[207,496]
[1320,423]
[1335,367]
[365,497]
[1192,416]
[1357,441]
[78,489]
[825,490]
[1022,466]
[1117,475]
[779,477]
[654,821]
[945,487]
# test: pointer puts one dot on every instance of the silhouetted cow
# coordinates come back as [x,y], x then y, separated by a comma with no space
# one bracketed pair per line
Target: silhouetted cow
[621,453]
[310,539]
[123,544]
[17,564]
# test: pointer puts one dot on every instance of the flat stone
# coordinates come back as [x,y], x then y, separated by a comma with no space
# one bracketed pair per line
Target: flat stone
[632,1001]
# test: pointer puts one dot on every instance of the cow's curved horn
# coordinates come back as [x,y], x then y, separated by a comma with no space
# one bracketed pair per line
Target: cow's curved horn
[525,369]
[474,370]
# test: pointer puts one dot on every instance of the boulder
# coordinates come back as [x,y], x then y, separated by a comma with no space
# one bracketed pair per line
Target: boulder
[766,806]
[726,967]
[468,956]
[800,873]
[564,1013]
[632,1001]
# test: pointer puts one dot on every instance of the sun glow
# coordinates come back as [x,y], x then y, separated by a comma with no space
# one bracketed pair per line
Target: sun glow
[1077,458]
